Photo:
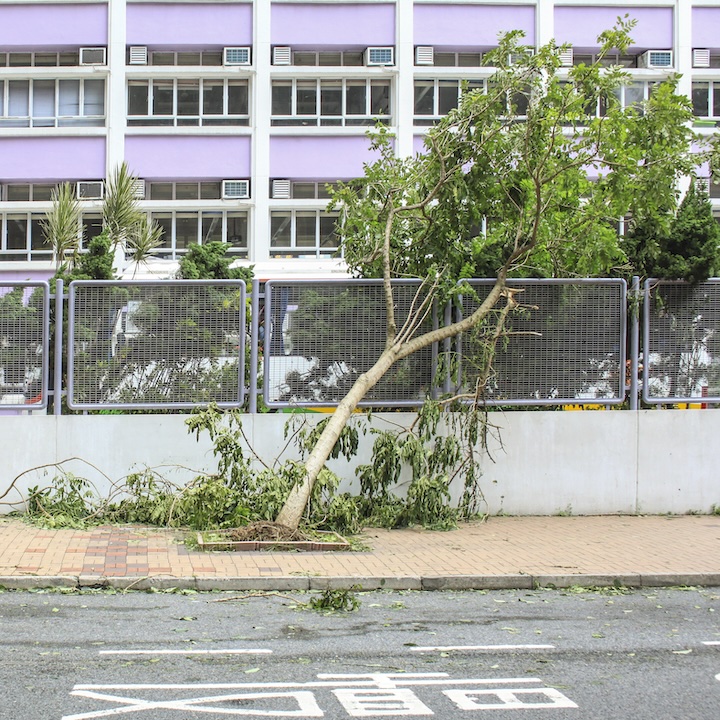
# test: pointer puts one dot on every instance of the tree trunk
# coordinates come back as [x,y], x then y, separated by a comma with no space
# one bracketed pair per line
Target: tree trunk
[294,507]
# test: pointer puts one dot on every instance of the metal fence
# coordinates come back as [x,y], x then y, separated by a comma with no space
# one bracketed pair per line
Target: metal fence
[318,337]
[180,344]
[165,344]
[681,342]
[24,344]
[565,344]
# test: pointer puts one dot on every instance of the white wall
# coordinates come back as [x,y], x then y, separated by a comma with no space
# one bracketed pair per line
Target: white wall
[591,462]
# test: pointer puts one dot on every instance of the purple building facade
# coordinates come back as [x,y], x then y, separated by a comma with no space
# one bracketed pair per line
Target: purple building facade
[235,115]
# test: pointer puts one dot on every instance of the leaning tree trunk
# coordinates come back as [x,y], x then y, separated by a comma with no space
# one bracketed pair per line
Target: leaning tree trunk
[295,505]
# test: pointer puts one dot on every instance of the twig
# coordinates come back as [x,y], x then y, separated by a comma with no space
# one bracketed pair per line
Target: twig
[256,594]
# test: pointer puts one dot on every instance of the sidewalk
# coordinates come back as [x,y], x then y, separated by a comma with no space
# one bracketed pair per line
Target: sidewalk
[503,552]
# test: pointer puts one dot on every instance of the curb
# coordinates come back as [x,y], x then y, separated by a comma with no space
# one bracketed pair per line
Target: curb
[301,583]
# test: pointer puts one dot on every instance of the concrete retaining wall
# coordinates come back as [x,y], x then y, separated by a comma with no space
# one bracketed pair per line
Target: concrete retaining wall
[650,461]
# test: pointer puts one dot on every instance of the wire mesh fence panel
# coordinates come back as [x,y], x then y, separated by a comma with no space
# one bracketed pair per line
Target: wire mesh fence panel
[156,344]
[24,344]
[565,344]
[681,348]
[318,337]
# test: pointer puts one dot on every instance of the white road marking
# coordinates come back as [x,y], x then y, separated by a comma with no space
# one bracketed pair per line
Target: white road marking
[187,652]
[508,699]
[712,642]
[448,648]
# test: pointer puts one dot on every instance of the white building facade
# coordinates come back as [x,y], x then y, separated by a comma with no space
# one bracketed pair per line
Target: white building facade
[235,115]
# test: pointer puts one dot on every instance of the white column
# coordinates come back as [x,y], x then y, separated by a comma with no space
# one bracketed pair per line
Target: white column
[259,225]
[544,22]
[115,111]
[404,90]
[683,45]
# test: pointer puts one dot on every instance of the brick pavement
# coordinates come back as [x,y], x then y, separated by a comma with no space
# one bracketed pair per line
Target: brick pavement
[501,552]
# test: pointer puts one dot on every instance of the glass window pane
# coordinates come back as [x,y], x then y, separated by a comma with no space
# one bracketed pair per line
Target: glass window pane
[210,58]
[280,229]
[330,59]
[306,98]
[237,98]
[16,232]
[161,191]
[355,94]
[212,97]
[700,98]
[92,226]
[94,97]
[18,98]
[211,227]
[303,190]
[19,59]
[138,97]
[162,97]
[304,58]
[37,236]
[69,59]
[162,58]
[69,98]
[328,234]
[186,229]
[42,192]
[353,59]
[716,99]
[186,191]
[331,98]
[237,229]
[188,97]
[18,192]
[209,191]
[282,98]
[380,98]
[44,98]
[424,97]
[2,96]
[188,58]
[46,59]
[164,220]
[305,229]
[634,94]
[448,92]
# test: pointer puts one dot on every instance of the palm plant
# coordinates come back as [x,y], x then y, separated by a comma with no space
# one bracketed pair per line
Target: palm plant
[120,208]
[62,226]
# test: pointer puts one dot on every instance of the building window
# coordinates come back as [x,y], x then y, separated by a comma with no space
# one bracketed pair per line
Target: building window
[330,102]
[184,191]
[436,98]
[183,228]
[52,103]
[40,59]
[195,58]
[188,102]
[458,59]
[324,58]
[706,99]
[303,233]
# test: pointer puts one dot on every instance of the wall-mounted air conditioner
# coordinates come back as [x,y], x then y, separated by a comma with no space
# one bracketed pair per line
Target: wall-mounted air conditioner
[138,55]
[281,189]
[93,56]
[236,56]
[235,189]
[514,58]
[139,188]
[282,56]
[90,190]
[566,57]
[701,58]
[424,55]
[702,184]
[658,59]
[375,56]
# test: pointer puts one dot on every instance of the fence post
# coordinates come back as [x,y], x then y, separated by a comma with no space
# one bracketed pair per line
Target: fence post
[254,327]
[58,367]
[634,341]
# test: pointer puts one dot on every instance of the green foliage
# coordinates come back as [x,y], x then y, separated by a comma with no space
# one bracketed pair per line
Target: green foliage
[335,601]
[68,502]
[210,262]
[685,247]
[61,226]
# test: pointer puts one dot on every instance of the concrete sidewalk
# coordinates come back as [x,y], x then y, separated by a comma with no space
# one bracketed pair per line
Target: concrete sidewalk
[503,552]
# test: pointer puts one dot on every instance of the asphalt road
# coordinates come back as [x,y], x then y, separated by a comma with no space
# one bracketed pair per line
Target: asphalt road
[508,654]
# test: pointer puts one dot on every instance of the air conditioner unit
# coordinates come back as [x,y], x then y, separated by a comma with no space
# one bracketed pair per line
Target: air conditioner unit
[90,190]
[282,56]
[701,58]
[659,59]
[236,56]
[93,56]
[566,57]
[375,56]
[514,58]
[139,188]
[424,55]
[138,55]
[281,189]
[235,189]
